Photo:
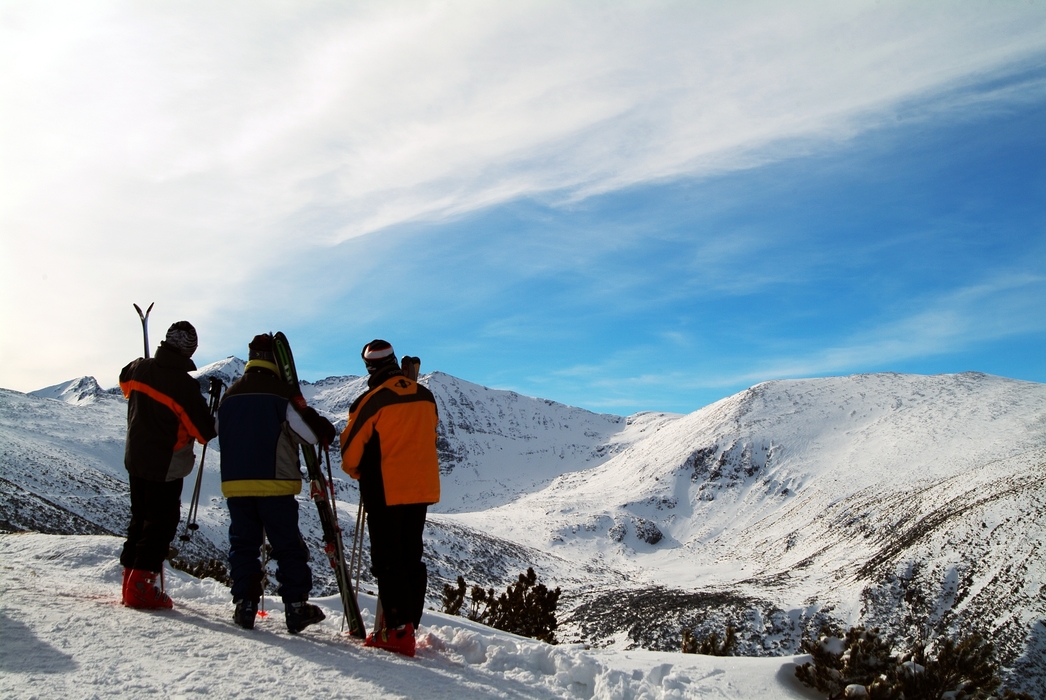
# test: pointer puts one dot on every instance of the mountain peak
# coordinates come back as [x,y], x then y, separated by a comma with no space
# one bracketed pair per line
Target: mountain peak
[80,391]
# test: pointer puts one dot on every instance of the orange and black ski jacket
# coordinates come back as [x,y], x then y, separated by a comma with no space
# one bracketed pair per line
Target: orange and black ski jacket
[390,444]
[166,413]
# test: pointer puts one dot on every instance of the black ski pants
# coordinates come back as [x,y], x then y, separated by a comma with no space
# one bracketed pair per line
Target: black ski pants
[156,508]
[395,554]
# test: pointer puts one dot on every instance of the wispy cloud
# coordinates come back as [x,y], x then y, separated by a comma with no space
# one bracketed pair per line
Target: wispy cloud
[179,150]
[1003,306]
[671,365]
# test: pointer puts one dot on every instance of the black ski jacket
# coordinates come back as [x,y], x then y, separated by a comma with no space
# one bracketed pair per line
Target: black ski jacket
[165,413]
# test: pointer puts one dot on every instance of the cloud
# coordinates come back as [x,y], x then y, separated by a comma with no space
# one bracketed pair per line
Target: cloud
[676,373]
[1002,306]
[185,151]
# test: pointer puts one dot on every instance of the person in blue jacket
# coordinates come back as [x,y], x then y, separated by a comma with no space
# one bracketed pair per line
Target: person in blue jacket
[260,430]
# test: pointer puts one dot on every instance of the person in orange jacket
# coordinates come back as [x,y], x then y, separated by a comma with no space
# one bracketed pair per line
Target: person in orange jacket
[389,445]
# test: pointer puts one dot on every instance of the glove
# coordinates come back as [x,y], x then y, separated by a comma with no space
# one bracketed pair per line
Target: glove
[323,428]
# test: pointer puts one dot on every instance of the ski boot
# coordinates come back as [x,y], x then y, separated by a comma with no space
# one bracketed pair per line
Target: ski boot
[245,612]
[398,639]
[301,614]
[143,593]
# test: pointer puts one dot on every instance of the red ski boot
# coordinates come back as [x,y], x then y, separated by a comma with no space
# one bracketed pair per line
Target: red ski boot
[142,591]
[398,639]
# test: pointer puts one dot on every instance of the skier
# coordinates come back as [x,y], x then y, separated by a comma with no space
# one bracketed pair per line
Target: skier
[389,445]
[260,430]
[165,414]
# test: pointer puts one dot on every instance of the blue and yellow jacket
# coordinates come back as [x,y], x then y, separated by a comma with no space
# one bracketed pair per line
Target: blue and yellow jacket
[260,432]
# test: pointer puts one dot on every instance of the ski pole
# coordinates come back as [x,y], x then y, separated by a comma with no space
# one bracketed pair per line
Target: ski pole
[357,555]
[215,391]
[264,574]
[356,563]
[145,325]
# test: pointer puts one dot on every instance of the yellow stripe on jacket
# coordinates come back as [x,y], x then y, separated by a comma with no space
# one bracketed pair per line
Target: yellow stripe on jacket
[261,487]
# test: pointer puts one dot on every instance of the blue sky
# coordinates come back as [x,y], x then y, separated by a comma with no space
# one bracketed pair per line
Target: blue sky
[914,249]
[648,207]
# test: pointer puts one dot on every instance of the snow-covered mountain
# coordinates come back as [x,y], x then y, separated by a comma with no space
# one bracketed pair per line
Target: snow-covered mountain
[78,392]
[911,503]
[494,445]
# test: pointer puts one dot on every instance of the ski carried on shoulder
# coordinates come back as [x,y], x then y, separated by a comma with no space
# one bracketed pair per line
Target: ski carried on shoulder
[321,494]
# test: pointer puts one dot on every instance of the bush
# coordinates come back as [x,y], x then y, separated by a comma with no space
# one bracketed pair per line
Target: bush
[862,665]
[453,597]
[211,568]
[859,659]
[526,608]
[710,645]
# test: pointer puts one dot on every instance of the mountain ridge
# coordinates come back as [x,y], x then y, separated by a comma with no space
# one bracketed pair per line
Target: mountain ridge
[914,503]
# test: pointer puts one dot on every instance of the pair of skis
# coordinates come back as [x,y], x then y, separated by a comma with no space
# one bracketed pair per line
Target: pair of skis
[322,493]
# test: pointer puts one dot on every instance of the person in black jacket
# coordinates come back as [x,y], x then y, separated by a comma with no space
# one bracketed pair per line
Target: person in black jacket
[261,426]
[166,414]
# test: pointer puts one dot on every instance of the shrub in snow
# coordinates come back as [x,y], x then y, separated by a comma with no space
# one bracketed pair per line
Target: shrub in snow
[710,645]
[526,608]
[854,666]
[862,666]
[211,568]
[648,531]
[963,670]
[453,597]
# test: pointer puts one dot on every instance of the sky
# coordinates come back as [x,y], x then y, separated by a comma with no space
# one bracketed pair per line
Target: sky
[620,206]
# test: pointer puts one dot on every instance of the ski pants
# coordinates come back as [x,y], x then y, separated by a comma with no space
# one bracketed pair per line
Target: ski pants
[253,518]
[395,554]
[156,508]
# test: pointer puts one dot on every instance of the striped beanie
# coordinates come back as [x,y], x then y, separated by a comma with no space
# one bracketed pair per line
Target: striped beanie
[377,354]
[182,337]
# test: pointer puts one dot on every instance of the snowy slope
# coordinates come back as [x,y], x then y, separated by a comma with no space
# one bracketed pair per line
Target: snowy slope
[494,445]
[497,445]
[912,503]
[61,464]
[65,636]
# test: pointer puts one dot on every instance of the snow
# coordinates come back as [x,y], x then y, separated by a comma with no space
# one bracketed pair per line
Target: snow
[65,635]
[893,501]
